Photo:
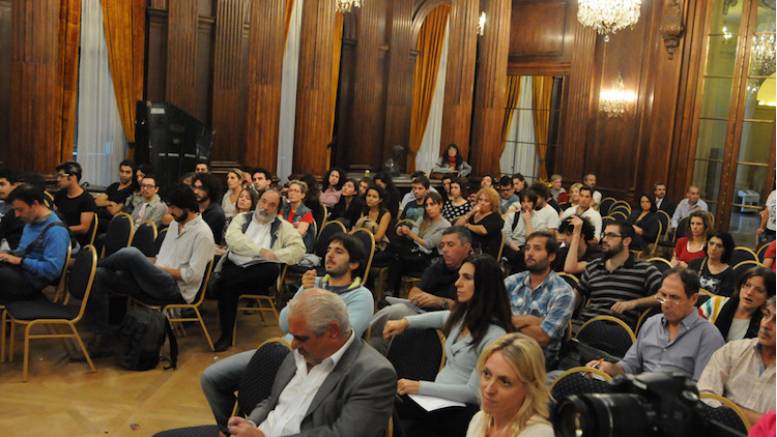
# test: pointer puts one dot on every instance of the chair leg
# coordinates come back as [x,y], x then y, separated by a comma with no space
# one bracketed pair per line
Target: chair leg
[77,337]
[234,332]
[3,321]
[13,341]
[26,366]
[204,329]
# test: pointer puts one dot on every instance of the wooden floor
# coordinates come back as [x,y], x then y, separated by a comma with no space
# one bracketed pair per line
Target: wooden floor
[64,398]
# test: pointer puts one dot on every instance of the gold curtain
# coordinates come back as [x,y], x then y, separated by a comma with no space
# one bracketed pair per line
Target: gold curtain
[336,49]
[69,37]
[287,14]
[429,46]
[513,94]
[124,24]
[542,87]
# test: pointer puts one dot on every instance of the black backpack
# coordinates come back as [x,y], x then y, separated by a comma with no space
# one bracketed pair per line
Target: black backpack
[140,338]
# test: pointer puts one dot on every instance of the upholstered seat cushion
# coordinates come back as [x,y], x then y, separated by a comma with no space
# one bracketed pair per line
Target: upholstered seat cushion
[40,309]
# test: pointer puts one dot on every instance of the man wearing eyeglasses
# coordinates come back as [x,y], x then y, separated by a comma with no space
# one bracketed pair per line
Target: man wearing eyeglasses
[152,209]
[617,284]
[74,204]
[677,340]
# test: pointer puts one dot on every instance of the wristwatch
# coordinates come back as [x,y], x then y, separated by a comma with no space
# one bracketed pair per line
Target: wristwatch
[445,304]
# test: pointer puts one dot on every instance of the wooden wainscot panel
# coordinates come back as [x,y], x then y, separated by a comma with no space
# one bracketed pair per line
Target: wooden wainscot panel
[539,29]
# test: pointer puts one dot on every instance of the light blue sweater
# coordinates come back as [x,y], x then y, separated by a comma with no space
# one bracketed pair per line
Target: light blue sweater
[43,262]
[358,300]
[459,380]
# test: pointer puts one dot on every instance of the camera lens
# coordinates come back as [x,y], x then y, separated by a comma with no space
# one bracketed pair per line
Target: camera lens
[599,415]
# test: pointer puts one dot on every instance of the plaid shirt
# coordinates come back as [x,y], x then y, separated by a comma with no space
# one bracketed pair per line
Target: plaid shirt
[553,301]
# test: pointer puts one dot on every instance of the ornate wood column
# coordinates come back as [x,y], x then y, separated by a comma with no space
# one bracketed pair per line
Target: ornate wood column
[182,55]
[490,95]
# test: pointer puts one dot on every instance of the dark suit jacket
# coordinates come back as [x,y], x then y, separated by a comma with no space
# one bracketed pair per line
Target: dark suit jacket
[356,399]
[667,206]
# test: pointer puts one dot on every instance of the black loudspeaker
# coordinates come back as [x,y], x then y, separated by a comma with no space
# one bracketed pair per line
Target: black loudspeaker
[170,139]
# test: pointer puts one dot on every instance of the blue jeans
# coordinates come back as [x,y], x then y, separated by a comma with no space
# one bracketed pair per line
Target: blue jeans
[129,273]
[220,381]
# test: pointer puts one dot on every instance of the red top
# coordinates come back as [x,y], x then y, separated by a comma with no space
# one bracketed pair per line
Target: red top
[306,218]
[681,251]
[770,253]
[765,427]
[452,161]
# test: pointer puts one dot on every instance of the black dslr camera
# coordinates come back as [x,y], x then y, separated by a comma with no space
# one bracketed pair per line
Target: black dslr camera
[650,404]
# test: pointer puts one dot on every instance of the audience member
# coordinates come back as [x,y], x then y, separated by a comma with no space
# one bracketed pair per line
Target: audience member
[507,194]
[349,207]
[234,185]
[152,210]
[540,300]
[519,183]
[715,274]
[332,187]
[344,258]
[202,166]
[766,229]
[437,289]
[585,210]
[111,202]
[484,221]
[207,189]
[257,243]
[452,162]
[688,248]
[331,384]
[519,224]
[513,393]
[770,255]
[136,198]
[391,196]
[481,315]
[691,203]
[11,227]
[262,180]
[617,284]
[445,182]
[414,209]
[546,207]
[645,223]
[74,204]
[740,316]
[677,340]
[298,214]
[662,202]
[311,198]
[364,183]
[376,217]
[410,196]
[174,276]
[457,204]
[555,187]
[187,179]
[39,258]
[578,245]
[573,198]
[589,181]
[743,370]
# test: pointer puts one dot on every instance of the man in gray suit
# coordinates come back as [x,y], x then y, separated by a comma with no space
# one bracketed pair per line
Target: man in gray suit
[333,384]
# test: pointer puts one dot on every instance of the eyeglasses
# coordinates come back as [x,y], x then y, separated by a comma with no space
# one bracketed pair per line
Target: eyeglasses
[147,186]
[669,301]
[612,235]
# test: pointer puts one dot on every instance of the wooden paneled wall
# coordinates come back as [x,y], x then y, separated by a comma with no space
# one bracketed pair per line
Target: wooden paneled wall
[5,74]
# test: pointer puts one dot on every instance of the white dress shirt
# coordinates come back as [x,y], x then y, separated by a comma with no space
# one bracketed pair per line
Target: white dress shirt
[296,397]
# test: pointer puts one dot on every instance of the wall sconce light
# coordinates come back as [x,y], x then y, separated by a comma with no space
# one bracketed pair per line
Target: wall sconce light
[482,23]
[615,101]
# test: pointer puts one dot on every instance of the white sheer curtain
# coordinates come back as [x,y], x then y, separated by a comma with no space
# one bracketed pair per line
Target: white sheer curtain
[100,140]
[289,93]
[430,145]
[520,154]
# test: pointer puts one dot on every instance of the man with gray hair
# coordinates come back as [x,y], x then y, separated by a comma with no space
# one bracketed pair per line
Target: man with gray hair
[331,384]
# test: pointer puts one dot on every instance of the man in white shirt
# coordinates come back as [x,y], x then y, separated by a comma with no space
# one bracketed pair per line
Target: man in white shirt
[691,203]
[584,210]
[589,180]
[332,383]
[547,216]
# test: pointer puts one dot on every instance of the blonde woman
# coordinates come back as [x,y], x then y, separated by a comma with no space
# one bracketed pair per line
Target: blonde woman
[574,195]
[514,397]
[484,221]
[234,185]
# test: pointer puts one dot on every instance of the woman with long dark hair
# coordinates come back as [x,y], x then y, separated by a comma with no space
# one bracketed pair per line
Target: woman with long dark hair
[452,162]
[740,316]
[715,274]
[331,188]
[392,197]
[691,247]
[349,208]
[457,204]
[481,314]
[645,223]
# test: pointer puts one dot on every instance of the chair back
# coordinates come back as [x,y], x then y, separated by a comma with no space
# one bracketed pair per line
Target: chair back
[119,234]
[368,241]
[719,409]
[604,207]
[319,215]
[621,205]
[93,229]
[654,244]
[666,222]
[742,253]
[327,232]
[81,277]
[682,228]
[660,263]
[741,268]
[501,246]
[619,214]
[48,200]
[762,252]
[259,374]
[324,220]
[646,313]
[160,238]
[203,290]
[62,282]
[144,239]
[607,333]
[417,354]
[574,282]
[580,381]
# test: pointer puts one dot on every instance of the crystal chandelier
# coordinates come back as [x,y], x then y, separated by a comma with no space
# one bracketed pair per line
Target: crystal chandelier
[763,53]
[608,16]
[615,101]
[345,6]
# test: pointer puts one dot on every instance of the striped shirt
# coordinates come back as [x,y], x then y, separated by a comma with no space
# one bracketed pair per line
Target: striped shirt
[633,280]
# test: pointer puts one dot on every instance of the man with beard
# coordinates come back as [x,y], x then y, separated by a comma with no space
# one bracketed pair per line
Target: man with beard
[207,188]
[540,300]
[174,276]
[112,200]
[257,243]
[344,257]
[617,284]
[678,340]
[743,370]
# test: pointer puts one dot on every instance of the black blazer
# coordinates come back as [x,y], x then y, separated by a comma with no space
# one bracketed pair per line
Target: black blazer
[666,205]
